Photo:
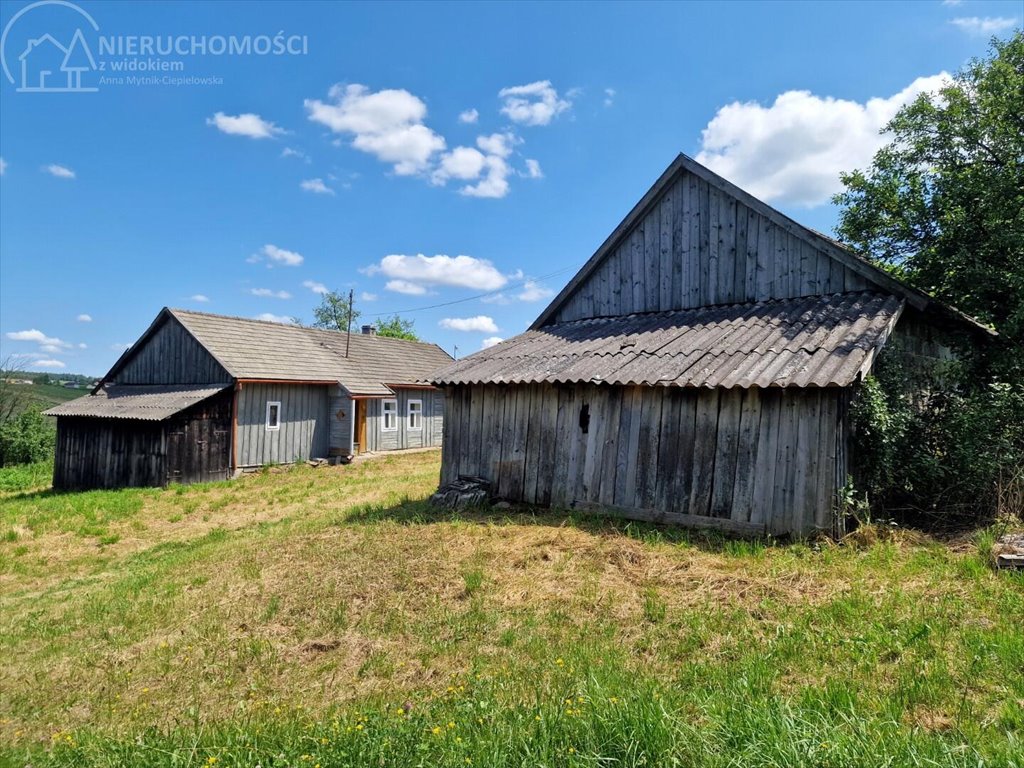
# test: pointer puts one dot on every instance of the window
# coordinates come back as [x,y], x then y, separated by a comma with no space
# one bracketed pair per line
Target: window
[415,415]
[390,416]
[273,415]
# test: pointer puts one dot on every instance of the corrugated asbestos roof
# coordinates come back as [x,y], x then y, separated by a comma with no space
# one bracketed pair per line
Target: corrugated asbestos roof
[817,341]
[255,349]
[142,402]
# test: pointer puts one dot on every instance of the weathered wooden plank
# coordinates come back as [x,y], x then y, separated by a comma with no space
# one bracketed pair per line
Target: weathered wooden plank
[665,258]
[761,503]
[671,518]
[639,271]
[765,260]
[714,240]
[726,447]
[679,247]
[609,449]
[652,261]
[785,473]
[727,250]
[704,451]
[746,457]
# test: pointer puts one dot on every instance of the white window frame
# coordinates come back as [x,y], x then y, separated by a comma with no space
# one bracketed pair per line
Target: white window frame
[277,426]
[409,414]
[384,411]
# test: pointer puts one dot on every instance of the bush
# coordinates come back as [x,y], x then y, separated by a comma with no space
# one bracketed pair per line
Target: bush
[952,454]
[26,438]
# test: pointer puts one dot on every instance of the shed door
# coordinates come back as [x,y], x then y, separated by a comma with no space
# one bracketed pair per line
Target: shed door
[198,450]
[360,446]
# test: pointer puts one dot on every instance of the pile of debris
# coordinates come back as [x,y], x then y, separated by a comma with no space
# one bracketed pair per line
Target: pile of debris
[464,492]
[1009,551]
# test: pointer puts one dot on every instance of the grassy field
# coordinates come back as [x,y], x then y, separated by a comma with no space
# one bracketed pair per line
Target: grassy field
[330,617]
[48,395]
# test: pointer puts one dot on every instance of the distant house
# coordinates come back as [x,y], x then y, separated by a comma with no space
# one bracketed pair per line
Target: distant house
[698,369]
[201,396]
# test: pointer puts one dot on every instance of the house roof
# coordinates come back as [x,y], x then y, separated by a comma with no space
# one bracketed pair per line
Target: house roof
[919,300]
[138,402]
[256,349]
[817,341]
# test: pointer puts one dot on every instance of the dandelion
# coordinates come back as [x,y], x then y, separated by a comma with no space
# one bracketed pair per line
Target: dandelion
[572,750]
[559,662]
[451,724]
[436,730]
[359,727]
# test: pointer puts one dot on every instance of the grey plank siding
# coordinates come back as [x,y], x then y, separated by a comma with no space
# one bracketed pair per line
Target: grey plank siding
[108,453]
[698,246]
[340,413]
[305,424]
[172,356]
[757,460]
[429,436]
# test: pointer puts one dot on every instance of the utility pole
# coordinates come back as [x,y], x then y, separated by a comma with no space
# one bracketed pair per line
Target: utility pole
[455,351]
[348,336]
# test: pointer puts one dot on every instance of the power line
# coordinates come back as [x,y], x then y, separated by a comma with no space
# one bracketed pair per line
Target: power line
[522,282]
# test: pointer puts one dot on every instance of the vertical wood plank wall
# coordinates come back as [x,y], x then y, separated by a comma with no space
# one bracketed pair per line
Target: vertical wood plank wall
[108,453]
[172,356]
[757,460]
[433,419]
[341,411]
[305,428]
[698,247]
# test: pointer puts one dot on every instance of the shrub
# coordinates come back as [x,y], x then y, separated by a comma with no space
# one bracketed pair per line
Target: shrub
[26,438]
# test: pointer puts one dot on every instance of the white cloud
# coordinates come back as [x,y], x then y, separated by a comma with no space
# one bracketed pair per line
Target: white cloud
[794,150]
[120,347]
[460,163]
[984,27]
[200,298]
[84,318]
[49,363]
[454,271]
[50,343]
[497,298]
[297,153]
[272,318]
[533,291]
[246,124]
[270,294]
[490,341]
[82,345]
[499,144]
[494,184]
[53,349]
[316,186]
[3,166]
[59,171]
[533,104]
[387,124]
[367,296]
[533,170]
[952,2]
[480,323]
[315,287]
[609,96]
[404,286]
[469,116]
[277,255]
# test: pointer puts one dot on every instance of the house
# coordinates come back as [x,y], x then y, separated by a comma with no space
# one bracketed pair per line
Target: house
[697,370]
[200,397]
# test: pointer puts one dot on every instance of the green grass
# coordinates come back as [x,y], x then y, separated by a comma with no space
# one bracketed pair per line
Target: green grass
[331,617]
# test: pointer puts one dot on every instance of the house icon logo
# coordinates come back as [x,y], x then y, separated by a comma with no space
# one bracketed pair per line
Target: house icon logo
[46,64]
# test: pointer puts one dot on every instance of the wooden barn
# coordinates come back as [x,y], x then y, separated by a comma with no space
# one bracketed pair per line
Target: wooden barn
[199,397]
[698,369]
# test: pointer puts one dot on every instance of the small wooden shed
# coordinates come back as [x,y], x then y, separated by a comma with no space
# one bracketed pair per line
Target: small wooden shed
[697,370]
[200,396]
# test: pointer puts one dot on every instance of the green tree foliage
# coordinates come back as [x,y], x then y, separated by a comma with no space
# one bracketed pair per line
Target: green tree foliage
[943,203]
[333,313]
[26,438]
[942,206]
[397,328]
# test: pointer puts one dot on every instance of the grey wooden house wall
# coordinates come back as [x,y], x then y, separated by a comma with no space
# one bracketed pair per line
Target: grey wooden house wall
[172,356]
[751,460]
[304,431]
[341,410]
[698,246]
[433,421]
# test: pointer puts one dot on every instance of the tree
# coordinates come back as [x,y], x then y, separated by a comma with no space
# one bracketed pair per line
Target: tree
[397,328]
[942,205]
[333,312]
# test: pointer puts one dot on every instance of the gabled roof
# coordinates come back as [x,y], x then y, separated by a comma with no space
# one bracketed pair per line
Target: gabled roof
[137,402]
[256,349]
[816,341]
[684,164]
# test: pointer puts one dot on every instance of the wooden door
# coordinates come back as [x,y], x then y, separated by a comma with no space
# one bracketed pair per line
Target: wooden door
[360,446]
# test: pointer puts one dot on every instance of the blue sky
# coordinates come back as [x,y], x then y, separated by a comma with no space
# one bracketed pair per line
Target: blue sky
[417,154]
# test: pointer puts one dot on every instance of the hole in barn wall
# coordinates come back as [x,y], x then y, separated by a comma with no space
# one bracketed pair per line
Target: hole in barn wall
[585,418]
